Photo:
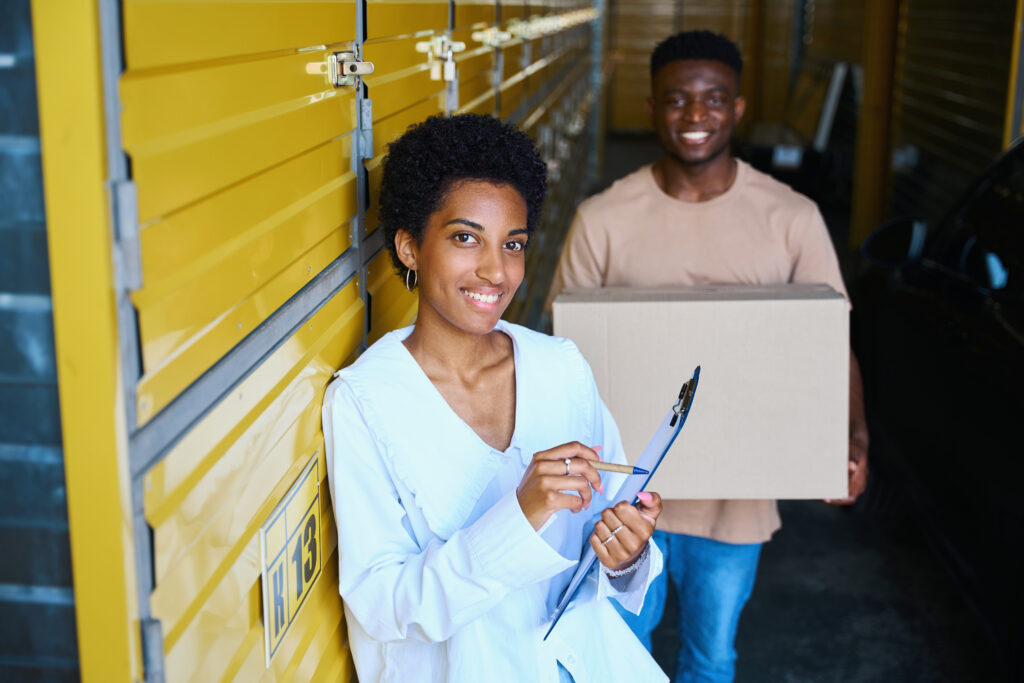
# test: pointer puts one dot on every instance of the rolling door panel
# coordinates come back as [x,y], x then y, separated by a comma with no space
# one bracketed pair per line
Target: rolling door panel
[322,630]
[514,59]
[191,133]
[392,306]
[512,94]
[563,42]
[400,87]
[384,131]
[475,25]
[481,104]
[401,76]
[207,499]
[952,71]
[165,32]
[720,17]
[635,28]
[546,72]
[385,18]
[476,95]
[228,634]
[564,94]
[241,161]
[228,294]
[548,107]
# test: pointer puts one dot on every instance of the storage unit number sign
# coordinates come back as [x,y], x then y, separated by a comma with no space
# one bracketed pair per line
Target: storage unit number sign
[290,555]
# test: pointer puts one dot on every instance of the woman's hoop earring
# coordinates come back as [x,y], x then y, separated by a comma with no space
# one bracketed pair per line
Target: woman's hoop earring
[415,279]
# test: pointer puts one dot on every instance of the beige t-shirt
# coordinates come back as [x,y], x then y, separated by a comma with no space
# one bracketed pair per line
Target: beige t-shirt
[758,232]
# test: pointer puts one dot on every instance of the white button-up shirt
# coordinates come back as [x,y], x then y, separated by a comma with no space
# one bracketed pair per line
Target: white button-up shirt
[442,576]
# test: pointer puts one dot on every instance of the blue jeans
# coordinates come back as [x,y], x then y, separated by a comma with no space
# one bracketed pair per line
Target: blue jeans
[713,582]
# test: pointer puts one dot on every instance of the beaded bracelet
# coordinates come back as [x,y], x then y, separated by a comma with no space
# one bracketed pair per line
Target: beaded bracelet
[617,573]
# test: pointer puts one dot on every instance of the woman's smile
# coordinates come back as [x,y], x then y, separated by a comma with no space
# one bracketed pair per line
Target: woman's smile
[481,297]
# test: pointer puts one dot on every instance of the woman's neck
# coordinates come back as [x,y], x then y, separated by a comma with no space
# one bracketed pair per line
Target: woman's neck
[451,354]
[474,373]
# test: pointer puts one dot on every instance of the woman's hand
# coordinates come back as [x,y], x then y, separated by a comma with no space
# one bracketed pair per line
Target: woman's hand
[540,492]
[622,532]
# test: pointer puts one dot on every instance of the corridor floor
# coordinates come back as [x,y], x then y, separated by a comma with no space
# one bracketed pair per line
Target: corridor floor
[849,597]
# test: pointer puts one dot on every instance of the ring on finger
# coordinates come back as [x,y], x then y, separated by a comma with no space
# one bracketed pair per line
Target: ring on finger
[567,462]
[614,531]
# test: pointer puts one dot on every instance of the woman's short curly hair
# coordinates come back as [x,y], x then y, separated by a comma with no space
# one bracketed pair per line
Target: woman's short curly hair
[433,156]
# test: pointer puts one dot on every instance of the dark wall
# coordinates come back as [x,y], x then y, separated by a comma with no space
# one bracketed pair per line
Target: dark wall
[37,613]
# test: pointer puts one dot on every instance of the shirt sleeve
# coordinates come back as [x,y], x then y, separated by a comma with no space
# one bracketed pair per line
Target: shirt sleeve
[396,589]
[814,257]
[583,261]
[631,589]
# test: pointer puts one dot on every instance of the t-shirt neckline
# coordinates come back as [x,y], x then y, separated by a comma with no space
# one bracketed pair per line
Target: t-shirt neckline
[742,173]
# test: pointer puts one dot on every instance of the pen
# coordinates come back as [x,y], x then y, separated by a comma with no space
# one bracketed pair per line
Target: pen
[612,467]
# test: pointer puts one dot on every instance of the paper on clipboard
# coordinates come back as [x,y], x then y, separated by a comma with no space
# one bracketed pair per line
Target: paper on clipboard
[649,460]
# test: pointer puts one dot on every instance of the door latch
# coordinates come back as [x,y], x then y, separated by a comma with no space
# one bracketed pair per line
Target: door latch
[344,67]
[492,37]
[440,52]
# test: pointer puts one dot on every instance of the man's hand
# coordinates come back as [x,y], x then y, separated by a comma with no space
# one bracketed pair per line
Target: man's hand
[858,459]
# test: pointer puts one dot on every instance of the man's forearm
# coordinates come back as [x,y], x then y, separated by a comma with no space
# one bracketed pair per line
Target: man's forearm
[858,419]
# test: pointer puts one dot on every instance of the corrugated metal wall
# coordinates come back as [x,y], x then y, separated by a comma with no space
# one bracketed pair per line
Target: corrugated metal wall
[37,617]
[952,72]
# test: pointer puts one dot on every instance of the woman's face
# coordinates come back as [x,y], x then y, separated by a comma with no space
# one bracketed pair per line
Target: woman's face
[472,256]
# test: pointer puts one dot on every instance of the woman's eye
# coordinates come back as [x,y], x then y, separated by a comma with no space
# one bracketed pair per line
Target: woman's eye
[515,245]
[463,237]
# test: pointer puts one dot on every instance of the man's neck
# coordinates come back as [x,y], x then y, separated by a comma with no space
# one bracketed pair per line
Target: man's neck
[695,182]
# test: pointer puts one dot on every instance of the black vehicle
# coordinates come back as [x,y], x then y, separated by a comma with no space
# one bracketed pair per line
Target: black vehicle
[939,330]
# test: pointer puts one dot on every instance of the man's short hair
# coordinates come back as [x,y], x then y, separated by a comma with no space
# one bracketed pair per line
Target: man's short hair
[697,45]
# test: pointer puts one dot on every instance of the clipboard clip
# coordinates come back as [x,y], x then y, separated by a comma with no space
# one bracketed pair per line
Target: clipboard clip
[682,405]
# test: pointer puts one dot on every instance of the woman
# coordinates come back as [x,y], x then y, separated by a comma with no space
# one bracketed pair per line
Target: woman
[459,450]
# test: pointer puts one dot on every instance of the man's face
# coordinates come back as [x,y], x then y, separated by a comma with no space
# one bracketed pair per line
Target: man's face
[694,108]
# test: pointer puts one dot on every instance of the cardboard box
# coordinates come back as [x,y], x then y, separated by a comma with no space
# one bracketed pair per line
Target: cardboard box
[770,417]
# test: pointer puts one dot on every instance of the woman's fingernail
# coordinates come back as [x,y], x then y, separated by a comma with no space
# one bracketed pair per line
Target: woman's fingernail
[645,497]
[597,449]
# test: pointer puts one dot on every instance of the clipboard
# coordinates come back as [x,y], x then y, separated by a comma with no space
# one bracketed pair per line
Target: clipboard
[652,456]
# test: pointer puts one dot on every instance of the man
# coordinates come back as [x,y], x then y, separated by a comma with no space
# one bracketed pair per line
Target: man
[698,216]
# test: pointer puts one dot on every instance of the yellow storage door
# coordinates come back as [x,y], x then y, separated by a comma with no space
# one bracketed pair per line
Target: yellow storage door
[391,306]
[406,42]
[207,499]
[515,58]
[475,24]
[241,149]
[241,157]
